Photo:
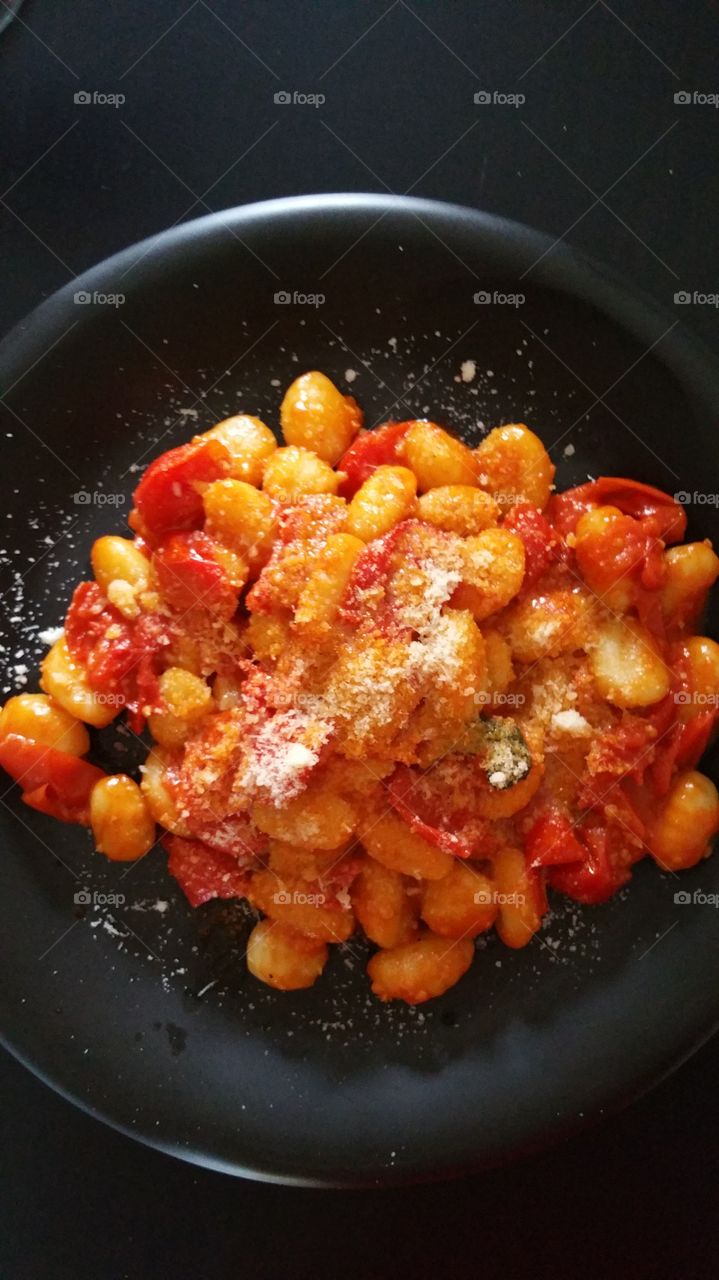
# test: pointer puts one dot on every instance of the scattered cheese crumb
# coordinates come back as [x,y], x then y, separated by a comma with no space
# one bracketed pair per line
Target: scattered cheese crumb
[50,635]
[299,757]
[571,722]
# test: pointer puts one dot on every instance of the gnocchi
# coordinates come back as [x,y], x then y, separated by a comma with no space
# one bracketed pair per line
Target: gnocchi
[393,685]
[514,466]
[420,971]
[122,825]
[314,415]
[437,458]
[282,958]
[249,443]
[383,500]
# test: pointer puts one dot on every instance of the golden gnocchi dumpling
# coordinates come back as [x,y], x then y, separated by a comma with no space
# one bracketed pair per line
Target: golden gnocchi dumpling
[699,664]
[184,700]
[691,570]
[609,555]
[627,664]
[454,670]
[422,970]
[547,625]
[242,517]
[315,415]
[316,818]
[519,897]
[372,691]
[301,906]
[282,958]
[458,508]
[122,572]
[385,498]
[492,572]
[41,719]
[122,825]
[267,634]
[498,655]
[296,860]
[293,472]
[156,786]
[382,901]
[461,904]
[688,818]
[65,680]
[514,466]
[389,840]
[322,596]
[249,443]
[437,458]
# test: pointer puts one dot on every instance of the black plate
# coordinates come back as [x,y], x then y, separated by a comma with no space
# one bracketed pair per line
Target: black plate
[110,1003]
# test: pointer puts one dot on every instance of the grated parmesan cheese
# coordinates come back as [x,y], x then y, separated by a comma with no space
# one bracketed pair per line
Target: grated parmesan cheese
[50,635]
[571,722]
[278,761]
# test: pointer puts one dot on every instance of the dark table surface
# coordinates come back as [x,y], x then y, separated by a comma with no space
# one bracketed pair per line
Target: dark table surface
[599,153]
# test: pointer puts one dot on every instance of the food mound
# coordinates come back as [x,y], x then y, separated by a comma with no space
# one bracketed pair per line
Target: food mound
[395,685]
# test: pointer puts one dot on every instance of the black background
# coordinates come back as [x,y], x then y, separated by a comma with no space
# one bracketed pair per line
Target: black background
[200,130]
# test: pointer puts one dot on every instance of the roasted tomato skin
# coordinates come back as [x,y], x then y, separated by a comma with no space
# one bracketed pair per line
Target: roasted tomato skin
[189,575]
[370,450]
[681,748]
[542,544]
[204,873]
[120,658]
[660,515]
[596,878]
[99,638]
[52,781]
[551,842]
[427,825]
[564,510]
[169,497]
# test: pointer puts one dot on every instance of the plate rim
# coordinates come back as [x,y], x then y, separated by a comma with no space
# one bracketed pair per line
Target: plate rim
[564,268]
